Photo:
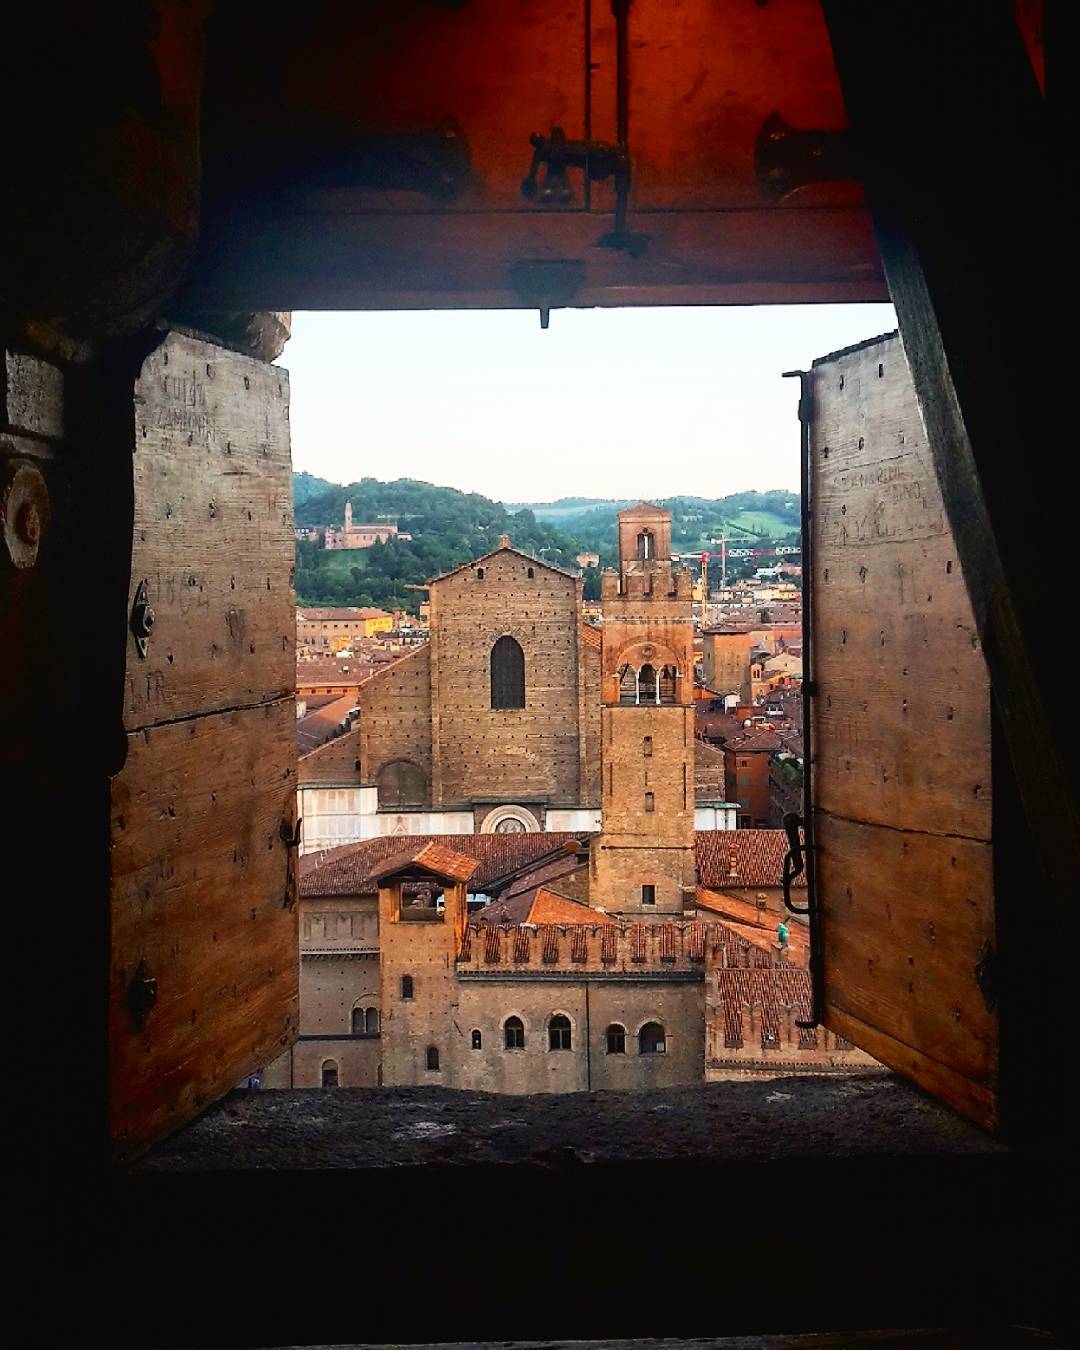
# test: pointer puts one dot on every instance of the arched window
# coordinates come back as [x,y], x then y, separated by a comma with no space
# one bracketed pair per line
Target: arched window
[648,690]
[646,545]
[371,1021]
[477,1040]
[559,1033]
[651,1039]
[329,1073]
[627,685]
[432,1057]
[479,574]
[401,783]
[358,1021]
[646,747]
[406,986]
[667,685]
[514,1032]
[650,801]
[616,1039]
[507,674]
[530,573]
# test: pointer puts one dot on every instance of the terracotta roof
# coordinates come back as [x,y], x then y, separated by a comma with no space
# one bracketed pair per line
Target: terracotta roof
[446,863]
[753,742]
[726,859]
[542,906]
[590,636]
[334,763]
[350,869]
[742,859]
[327,670]
[349,613]
[324,724]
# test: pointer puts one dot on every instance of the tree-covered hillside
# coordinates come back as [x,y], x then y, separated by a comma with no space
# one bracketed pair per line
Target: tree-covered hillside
[695,521]
[451,527]
[448,528]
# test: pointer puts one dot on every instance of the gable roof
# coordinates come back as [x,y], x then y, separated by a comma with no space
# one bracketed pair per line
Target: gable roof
[502,548]
[350,869]
[542,906]
[643,509]
[445,863]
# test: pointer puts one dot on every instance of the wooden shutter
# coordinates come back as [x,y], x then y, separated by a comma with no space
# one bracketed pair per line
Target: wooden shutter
[204,968]
[901,742]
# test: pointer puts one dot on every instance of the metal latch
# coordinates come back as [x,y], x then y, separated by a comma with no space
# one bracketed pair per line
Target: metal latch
[141,995]
[794,859]
[142,618]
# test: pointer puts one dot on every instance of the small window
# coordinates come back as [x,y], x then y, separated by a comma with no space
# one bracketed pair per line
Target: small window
[406,986]
[358,1021]
[479,574]
[371,1021]
[650,801]
[514,1030]
[651,1039]
[646,747]
[616,1039]
[432,1057]
[648,895]
[329,1074]
[530,574]
[559,1033]
[477,1040]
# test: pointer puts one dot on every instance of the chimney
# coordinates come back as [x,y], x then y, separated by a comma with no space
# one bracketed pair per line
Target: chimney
[504,541]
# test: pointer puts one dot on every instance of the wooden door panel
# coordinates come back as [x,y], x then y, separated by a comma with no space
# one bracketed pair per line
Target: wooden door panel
[201,894]
[203,949]
[213,533]
[901,742]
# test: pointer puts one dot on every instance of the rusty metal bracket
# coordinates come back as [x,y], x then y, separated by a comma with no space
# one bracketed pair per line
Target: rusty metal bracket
[142,618]
[142,994]
[553,154]
[786,158]
[289,834]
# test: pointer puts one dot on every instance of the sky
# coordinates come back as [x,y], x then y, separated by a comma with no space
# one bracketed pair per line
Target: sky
[625,403]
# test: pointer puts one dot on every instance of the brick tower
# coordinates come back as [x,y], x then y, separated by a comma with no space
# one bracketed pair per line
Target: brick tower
[643,862]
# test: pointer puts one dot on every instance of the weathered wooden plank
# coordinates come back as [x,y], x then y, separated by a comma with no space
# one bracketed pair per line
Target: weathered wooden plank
[213,534]
[203,893]
[901,742]
[905,926]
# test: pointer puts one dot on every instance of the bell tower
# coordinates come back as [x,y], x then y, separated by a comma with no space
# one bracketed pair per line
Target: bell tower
[643,862]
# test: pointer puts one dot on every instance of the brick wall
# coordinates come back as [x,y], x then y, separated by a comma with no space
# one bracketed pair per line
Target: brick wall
[395,716]
[518,754]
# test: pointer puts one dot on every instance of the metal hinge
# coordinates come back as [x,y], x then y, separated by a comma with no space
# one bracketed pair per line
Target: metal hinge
[142,618]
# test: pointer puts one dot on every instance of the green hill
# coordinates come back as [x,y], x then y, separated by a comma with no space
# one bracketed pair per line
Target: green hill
[451,527]
[448,528]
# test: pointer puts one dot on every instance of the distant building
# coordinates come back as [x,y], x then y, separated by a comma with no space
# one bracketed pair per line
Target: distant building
[588,559]
[361,536]
[323,629]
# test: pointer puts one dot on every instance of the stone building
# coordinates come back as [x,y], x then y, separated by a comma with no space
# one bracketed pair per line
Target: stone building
[323,629]
[361,536]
